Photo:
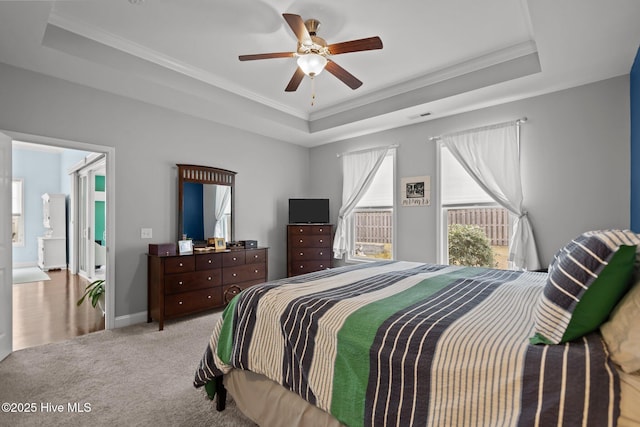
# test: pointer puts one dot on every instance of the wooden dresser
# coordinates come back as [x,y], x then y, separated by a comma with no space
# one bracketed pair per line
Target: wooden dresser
[308,248]
[184,284]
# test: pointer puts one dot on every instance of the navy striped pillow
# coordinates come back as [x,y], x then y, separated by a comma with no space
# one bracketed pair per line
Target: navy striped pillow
[586,280]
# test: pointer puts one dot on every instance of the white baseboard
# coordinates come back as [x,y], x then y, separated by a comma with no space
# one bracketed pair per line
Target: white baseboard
[130,319]
[25,264]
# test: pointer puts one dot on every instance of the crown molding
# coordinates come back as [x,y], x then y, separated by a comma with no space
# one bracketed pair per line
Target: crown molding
[437,76]
[99,35]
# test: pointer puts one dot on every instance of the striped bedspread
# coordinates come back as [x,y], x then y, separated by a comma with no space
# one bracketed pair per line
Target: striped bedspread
[405,343]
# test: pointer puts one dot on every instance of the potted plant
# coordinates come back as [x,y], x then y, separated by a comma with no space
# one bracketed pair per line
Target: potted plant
[95,292]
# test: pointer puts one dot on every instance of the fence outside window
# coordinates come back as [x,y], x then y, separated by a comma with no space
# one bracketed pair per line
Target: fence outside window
[373,232]
[373,227]
[493,220]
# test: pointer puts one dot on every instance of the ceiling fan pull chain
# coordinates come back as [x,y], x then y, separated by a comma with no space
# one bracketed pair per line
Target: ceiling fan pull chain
[313,91]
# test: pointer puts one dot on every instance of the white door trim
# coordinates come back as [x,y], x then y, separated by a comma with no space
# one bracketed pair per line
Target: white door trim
[6,256]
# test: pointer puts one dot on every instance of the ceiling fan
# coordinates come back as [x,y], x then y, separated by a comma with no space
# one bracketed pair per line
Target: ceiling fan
[313,52]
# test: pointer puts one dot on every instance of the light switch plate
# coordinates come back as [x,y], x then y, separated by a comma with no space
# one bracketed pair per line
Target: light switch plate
[146,233]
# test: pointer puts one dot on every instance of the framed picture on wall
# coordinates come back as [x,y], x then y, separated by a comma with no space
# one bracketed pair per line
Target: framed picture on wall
[416,191]
[185,246]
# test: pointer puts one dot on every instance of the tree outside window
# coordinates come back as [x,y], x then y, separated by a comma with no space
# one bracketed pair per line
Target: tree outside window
[476,229]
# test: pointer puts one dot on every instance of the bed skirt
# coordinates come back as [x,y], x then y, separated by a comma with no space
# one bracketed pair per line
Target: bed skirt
[267,403]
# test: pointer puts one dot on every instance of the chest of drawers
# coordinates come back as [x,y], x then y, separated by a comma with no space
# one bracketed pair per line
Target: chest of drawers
[308,248]
[185,284]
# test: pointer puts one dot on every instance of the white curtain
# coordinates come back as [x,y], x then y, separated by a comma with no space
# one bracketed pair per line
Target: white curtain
[358,170]
[491,155]
[221,206]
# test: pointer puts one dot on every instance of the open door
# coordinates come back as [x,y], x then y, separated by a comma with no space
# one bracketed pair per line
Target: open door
[6,269]
[90,194]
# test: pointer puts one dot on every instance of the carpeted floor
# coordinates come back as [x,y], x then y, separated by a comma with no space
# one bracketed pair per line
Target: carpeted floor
[133,376]
[28,275]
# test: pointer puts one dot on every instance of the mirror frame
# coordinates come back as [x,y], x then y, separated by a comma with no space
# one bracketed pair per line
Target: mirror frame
[204,175]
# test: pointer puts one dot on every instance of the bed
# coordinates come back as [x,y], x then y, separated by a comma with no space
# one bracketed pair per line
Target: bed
[396,343]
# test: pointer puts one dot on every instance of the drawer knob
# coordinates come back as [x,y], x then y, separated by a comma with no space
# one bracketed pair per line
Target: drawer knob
[209,296]
[321,265]
[321,230]
[301,230]
[180,282]
[209,278]
[301,240]
[234,274]
[180,264]
[301,253]
[235,259]
[321,253]
[256,271]
[321,240]
[210,261]
[180,302]
[255,256]
[302,266]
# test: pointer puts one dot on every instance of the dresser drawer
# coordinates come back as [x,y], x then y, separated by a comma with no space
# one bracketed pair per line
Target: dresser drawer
[179,264]
[312,241]
[230,259]
[256,256]
[208,261]
[306,230]
[302,267]
[244,273]
[193,301]
[191,281]
[307,254]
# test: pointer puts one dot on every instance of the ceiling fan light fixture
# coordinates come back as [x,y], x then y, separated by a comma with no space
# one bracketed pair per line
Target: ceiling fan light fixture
[312,64]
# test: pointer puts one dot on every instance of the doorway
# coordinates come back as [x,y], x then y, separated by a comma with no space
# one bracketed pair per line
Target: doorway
[105,268]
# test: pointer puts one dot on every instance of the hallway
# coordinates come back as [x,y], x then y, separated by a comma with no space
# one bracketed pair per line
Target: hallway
[46,311]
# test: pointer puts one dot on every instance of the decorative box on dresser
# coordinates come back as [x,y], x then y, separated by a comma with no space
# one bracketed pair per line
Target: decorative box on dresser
[179,285]
[308,248]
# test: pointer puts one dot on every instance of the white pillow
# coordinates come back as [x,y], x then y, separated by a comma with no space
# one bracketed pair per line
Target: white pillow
[622,331]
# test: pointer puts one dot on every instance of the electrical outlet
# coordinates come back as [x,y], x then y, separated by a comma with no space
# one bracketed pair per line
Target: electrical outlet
[146,233]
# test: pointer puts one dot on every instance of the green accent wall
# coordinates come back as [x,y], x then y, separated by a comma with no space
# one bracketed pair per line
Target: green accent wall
[100,183]
[100,211]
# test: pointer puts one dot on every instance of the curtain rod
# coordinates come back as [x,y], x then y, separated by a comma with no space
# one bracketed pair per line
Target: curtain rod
[367,149]
[520,121]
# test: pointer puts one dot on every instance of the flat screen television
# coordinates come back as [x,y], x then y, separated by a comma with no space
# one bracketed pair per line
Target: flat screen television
[308,211]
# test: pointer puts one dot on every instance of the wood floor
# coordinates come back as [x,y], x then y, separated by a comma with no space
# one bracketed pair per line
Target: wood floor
[46,312]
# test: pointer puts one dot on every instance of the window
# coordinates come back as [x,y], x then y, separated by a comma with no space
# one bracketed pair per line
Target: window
[17,212]
[475,229]
[371,222]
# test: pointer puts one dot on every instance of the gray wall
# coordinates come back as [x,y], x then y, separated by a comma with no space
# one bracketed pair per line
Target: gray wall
[575,161]
[575,165]
[148,142]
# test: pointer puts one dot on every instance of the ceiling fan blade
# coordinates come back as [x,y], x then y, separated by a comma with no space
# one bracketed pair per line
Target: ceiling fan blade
[342,74]
[369,43]
[295,81]
[265,56]
[297,25]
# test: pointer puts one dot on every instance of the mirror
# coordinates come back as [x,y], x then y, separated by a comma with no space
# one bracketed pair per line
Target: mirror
[205,203]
